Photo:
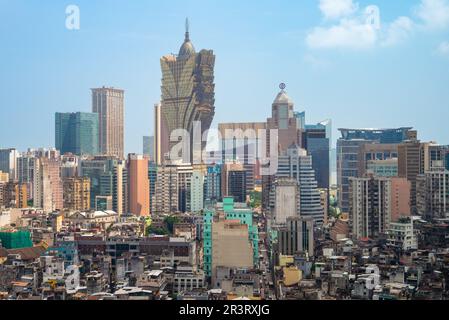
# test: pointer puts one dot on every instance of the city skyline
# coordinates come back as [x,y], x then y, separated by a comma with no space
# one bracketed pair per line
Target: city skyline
[391,79]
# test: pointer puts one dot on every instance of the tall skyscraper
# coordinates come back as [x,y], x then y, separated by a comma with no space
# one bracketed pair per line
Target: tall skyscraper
[109,104]
[234,182]
[283,119]
[187,95]
[8,158]
[76,133]
[317,142]
[139,185]
[295,163]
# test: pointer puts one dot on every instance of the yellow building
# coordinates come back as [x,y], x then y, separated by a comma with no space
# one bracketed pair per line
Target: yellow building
[77,194]
[292,276]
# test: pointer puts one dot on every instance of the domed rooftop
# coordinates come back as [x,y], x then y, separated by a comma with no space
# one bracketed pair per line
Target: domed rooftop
[187,49]
[283,98]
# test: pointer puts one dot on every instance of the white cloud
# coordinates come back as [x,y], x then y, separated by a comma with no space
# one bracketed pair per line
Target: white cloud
[443,49]
[350,33]
[334,9]
[434,13]
[398,31]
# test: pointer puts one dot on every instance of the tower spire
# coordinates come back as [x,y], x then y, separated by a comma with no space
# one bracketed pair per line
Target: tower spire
[187,30]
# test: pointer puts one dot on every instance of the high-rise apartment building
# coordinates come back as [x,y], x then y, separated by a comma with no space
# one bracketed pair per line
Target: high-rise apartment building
[165,199]
[108,103]
[433,194]
[48,187]
[13,195]
[77,133]
[370,206]
[77,194]
[139,185]
[187,96]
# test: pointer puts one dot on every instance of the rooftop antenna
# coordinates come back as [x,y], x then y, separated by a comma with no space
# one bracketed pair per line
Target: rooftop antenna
[187,30]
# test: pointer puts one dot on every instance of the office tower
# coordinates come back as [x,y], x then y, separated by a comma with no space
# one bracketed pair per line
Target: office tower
[76,133]
[433,194]
[412,161]
[348,153]
[187,95]
[295,163]
[370,206]
[108,103]
[296,236]
[197,190]
[317,142]
[148,147]
[108,177]
[213,184]
[8,158]
[286,200]
[234,181]
[139,185]
[283,119]
[48,188]
[165,199]
[77,194]
[13,195]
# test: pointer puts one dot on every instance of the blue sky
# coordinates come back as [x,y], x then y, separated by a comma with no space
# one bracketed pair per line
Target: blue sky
[335,65]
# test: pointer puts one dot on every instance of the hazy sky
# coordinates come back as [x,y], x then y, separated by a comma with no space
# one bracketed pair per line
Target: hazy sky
[334,63]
